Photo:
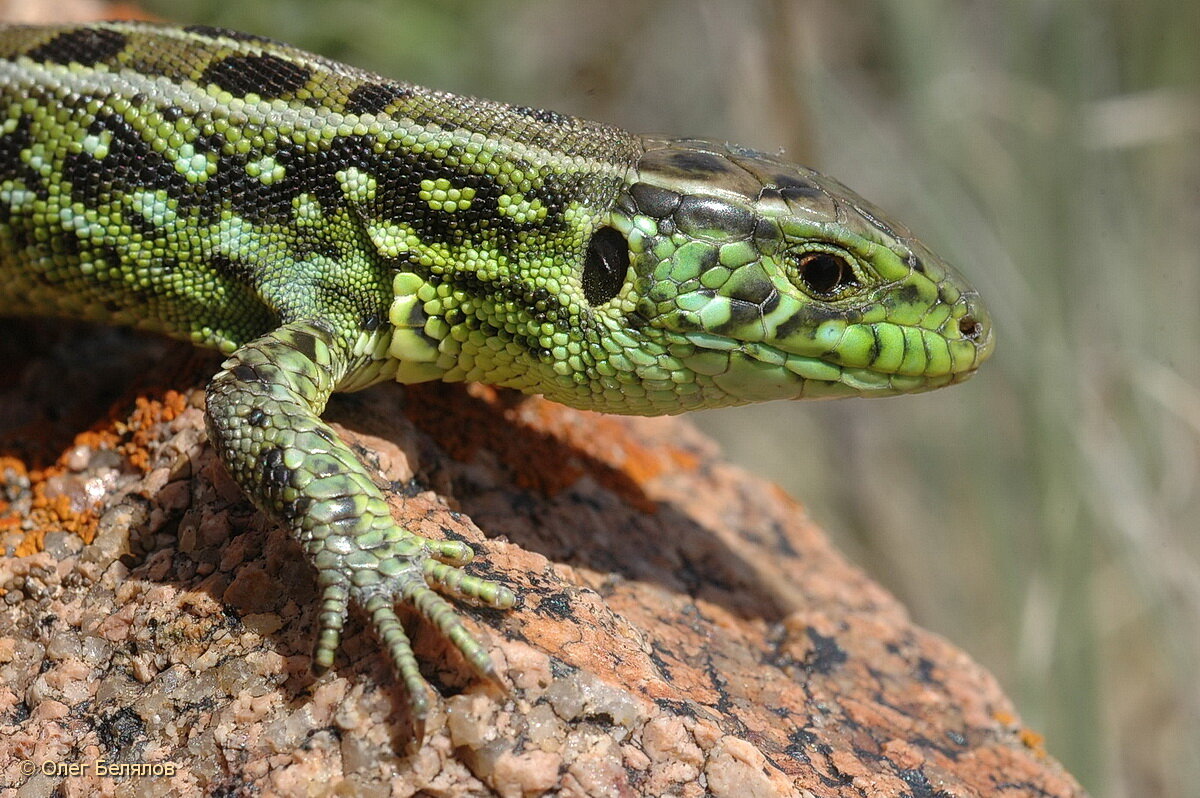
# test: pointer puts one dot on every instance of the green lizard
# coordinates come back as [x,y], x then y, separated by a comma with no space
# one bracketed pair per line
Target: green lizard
[328,229]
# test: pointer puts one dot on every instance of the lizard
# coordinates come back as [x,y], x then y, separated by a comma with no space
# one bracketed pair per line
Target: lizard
[327,229]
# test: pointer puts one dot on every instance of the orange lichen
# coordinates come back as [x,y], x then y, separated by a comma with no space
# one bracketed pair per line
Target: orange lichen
[138,429]
[1033,741]
[1029,738]
[130,437]
[49,513]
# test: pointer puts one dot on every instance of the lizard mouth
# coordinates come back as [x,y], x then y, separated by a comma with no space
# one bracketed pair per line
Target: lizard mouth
[808,377]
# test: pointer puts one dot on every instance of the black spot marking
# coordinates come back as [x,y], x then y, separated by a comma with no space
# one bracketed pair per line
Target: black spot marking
[297,508]
[707,260]
[625,204]
[12,166]
[341,509]
[740,314]
[272,457]
[244,373]
[266,75]
[699,164]
[793,187]
[274,472]
[767,232]
[397,196]
[130,164]
[257,417]
[305,172]
[111,255]
[755,290]
[544,116]
[875,348]
[907,294]
[697,214]
[233,270]
[809,318]
[769,304]
[374,98]
[769,193]
[214,32]
[915,263]
[654,201]
[305,344]
[67,244]
[83,46]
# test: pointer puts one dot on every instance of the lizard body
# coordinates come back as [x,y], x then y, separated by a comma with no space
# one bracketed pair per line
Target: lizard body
[329,229]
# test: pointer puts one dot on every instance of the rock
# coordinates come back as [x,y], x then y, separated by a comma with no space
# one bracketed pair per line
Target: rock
[684,628]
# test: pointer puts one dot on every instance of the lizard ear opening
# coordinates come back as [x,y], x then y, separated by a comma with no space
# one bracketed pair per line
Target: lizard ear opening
[605,266]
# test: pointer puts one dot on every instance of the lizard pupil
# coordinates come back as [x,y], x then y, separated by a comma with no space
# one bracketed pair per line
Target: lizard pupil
[605,266]
[825,273]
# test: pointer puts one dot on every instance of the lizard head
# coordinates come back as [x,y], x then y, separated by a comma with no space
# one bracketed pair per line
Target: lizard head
[766,280]
[713,276]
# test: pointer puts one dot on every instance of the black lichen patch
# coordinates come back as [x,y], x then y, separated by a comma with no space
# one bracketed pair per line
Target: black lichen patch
[84,46]
[119,731]
[268,76]
[825,654]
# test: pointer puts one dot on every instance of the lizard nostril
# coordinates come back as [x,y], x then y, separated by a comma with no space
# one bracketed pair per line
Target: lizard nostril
[970,328]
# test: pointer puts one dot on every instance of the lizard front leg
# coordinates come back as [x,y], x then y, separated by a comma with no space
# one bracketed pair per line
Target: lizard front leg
[262,417]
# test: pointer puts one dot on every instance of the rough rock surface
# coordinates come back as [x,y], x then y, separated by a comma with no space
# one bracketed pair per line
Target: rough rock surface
[684,628]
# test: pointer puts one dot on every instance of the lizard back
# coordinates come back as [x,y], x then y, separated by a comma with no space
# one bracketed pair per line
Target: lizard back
[207,183]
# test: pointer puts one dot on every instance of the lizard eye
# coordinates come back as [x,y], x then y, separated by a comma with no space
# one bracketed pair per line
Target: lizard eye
[605,266]
[825,274]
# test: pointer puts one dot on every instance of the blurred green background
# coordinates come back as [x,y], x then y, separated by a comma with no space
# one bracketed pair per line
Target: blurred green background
[1043,515]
